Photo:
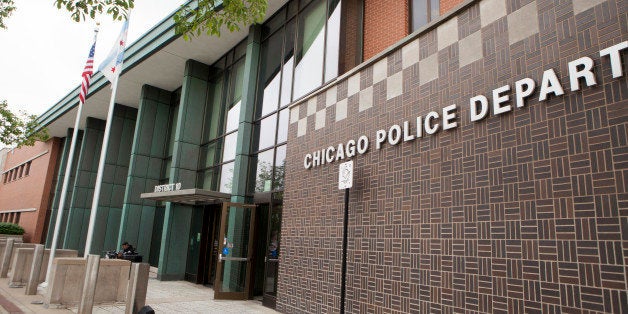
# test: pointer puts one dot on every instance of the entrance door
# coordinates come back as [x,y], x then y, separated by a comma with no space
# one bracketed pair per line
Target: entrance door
[233,273]
[272,256]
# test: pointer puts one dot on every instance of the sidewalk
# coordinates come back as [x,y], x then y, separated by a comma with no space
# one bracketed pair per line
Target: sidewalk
[162,296]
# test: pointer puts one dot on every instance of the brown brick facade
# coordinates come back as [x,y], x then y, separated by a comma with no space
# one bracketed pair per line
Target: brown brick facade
[447,5]
[32,190]
[526,211]
[385,23]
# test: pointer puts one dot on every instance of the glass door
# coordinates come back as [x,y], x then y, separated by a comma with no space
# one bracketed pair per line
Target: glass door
[233,273]
[272,256]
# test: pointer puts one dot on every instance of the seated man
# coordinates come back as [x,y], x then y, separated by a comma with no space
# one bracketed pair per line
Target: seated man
[127,249]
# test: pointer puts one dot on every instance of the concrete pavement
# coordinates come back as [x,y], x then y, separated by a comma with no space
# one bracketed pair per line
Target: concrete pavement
[162,296]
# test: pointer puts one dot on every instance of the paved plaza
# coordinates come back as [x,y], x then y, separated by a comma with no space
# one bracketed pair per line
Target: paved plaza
[162,296]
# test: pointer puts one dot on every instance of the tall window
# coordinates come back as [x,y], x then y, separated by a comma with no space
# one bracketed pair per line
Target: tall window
[222,116]
[300,52]
[423,12]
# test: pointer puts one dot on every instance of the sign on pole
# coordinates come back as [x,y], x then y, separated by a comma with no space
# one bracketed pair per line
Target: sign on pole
[345,175]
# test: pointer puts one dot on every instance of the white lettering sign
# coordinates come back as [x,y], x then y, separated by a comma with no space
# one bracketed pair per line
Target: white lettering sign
[167,187]
[581,71]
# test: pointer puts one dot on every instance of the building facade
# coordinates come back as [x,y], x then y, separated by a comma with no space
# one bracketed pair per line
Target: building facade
[26,187]
[487,137]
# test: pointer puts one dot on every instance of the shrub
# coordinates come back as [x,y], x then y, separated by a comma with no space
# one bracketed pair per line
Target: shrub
[10,228]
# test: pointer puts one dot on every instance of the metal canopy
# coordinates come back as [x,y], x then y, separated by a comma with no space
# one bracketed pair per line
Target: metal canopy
[189,197]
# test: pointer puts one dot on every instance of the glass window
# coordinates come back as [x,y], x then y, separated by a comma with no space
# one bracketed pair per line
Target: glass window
[270,73]
[308,72]
[282,127]
[229,150]
[280,166]
[226,178]
[332,49]
[264,174]
[213,111]
[288,64]
[235,97]
[209,178]
[267,132]
[210,154]
[423,12]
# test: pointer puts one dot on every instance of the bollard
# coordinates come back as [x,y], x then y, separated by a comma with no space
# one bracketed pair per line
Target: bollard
[33,280]
[6,258]
[138,285]
[86,303]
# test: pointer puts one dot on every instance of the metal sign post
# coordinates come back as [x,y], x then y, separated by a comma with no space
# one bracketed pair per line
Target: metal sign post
[345,181]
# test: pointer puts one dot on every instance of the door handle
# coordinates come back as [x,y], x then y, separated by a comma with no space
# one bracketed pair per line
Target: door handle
[237,259]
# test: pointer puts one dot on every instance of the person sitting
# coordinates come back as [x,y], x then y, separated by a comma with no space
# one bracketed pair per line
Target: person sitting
[127,249]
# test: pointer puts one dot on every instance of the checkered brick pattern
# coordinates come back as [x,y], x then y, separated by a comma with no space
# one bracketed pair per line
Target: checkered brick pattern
[523,212]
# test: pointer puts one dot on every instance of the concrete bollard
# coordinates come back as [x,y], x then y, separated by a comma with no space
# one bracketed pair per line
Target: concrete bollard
[86,303]
[138,285]
[33,279]
[6,258]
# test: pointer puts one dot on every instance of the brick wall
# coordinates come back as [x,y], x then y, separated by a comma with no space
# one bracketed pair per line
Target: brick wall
[385,23]
[447,5]
[32,191]
[525,211]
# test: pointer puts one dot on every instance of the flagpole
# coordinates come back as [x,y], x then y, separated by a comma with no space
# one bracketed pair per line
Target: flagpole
[101,168]
[64,189]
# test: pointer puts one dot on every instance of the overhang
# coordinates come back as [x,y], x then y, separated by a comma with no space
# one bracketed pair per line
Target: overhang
[157,58]
[189,197]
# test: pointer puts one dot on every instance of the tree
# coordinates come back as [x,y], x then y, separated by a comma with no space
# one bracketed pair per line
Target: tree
[19,129]
[192,19]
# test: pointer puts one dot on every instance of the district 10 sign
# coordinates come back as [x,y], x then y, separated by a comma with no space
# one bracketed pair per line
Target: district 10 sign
[345,175]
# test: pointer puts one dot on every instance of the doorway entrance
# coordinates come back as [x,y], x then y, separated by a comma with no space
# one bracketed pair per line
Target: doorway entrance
[233,271]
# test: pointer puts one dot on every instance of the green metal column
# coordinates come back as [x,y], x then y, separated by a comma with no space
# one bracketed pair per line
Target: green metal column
[114,180]
[177,218]
[83,191]
[147,158]
[57,196]
[242,189]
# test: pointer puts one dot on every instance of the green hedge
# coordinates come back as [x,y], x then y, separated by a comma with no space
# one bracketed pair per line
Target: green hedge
[10,228]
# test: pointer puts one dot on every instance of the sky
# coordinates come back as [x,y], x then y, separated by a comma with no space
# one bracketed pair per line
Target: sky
[43,51]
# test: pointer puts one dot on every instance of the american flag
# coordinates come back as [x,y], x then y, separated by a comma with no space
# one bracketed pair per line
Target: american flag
[87,74]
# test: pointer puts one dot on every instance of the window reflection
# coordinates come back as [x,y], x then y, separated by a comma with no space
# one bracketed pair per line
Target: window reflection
[264,174]
[229,151]
[423,12]
[282,127]
[226,178]
[267,132]
[308,73]
[332,50]
[280,166]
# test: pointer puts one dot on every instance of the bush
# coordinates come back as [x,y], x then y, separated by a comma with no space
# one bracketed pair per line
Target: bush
[10,228]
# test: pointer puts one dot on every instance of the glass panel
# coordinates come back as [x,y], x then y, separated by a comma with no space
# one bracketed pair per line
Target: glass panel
[282,128]
[240,50]
[270,75]
[210,154]
[264,175]
[226,178]
[274,245]
[286,80]
[208,179]
[308,72]
[229,149]
[213,111]
[419,14]
[267,126]
[280,166]
[235,243]
[333,41]
[173,127]
[435,8]
[274,23]
[235,95]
